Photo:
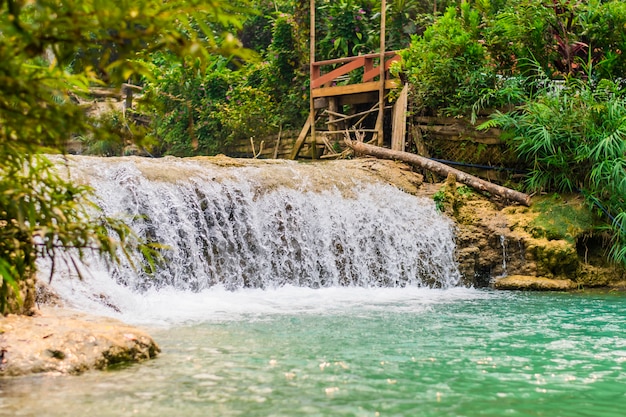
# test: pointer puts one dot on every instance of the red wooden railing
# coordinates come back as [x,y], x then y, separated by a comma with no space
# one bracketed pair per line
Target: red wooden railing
[350,64]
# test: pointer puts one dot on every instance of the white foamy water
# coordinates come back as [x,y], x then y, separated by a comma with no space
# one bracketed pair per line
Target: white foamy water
[171,306]
[261,239]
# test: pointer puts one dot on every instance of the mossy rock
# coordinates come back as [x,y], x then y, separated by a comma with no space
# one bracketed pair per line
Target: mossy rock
[593,276]
[529,283]
[561,218]
[66,342]
[554,257]
[452,197]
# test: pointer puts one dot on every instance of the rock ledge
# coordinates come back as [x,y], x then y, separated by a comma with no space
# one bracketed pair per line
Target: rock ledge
[523,282]
[66,342]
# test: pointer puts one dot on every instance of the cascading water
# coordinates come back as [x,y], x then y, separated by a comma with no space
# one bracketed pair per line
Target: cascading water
[503,244]
[271,225]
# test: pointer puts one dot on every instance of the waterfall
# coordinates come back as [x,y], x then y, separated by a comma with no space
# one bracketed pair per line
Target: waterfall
[270,224]
[503,245]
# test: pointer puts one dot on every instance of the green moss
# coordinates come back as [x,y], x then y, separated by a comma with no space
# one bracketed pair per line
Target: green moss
[561,219]
[440,200]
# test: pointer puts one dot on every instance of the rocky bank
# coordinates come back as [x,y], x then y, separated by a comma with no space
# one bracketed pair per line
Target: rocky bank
[60,341]
[552,245]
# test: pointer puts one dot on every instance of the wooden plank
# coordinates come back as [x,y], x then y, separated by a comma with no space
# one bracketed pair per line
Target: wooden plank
[350,58]
[360,98]
[328,147]
[340,90]
[371,74]
[343,117]
[375,72]
[340,132]
[378,136]
[460,129]
[381,89]
[277,145]
[418,139]
[301,137]
[334,116]
[430,120]
[369,65]
[398,127]
[434,121]
[344,69]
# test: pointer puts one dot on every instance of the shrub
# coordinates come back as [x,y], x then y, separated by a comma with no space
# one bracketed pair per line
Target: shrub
[447,66]
[573,137]
[247,112]
[347,28]
[558,35]
[185,99]
[199,110]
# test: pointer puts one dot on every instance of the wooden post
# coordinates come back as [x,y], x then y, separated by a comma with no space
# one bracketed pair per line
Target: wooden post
[369,65]
[381,94]
[300,141]
[128,101]
[280,132]
[418,139]
[398,127]
[333,111]
[312,62]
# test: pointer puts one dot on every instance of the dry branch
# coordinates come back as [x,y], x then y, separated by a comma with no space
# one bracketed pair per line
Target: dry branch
[441,169]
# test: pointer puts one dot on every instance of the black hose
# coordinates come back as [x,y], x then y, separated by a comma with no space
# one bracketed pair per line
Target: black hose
[463,164]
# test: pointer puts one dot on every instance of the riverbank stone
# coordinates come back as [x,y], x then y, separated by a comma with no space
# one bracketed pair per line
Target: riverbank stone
[61,341]
[530,283]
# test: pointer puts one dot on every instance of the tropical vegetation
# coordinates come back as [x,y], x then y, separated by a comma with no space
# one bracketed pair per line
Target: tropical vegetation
[213,72]
[554,72]
[51,52]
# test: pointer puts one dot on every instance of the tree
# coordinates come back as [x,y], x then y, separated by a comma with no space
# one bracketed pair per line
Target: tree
[447,65]
[51,52]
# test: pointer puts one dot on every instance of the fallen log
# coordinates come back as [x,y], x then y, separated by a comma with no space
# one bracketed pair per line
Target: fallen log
[441,169]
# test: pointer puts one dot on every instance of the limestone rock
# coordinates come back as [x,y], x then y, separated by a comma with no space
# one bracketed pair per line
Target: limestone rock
[555,238]
[523,282]
[66,342]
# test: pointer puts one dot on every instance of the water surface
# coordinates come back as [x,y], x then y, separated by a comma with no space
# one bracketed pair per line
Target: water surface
[358,352]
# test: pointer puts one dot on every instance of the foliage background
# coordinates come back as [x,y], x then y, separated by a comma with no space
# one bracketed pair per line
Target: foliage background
[51,53]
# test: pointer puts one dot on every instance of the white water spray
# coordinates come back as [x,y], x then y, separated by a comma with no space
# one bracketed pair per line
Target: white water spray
[503,245]
[282,224]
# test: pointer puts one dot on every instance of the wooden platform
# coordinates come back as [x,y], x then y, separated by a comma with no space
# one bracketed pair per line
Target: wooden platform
[334,99]
[343,90]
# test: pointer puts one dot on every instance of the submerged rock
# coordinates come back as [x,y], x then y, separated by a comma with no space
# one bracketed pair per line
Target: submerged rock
[66,342]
